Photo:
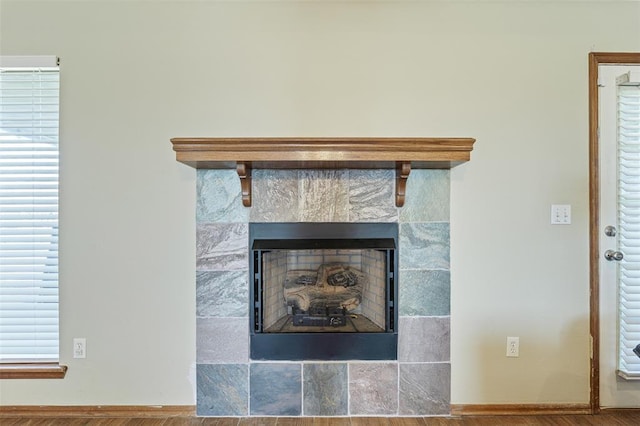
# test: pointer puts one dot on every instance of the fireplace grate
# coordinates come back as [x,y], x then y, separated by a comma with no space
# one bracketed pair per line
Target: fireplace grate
[333,316]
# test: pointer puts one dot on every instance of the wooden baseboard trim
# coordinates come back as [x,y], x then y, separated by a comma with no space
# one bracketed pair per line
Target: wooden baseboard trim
[619,410]
[97,411]
[518,409]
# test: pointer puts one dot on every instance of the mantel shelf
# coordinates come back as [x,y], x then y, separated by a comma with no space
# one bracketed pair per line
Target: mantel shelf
[401,154]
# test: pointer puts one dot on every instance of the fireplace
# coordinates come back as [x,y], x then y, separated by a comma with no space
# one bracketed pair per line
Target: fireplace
[231,382]
[350,181]
[323,291]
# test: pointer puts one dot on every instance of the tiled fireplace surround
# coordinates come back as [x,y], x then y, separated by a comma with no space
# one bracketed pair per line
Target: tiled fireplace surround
[230,384]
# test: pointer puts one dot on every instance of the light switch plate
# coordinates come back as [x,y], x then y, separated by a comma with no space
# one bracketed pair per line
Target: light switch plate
[561,214]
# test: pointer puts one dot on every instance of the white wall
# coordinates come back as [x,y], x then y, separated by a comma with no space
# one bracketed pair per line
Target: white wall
[136,73]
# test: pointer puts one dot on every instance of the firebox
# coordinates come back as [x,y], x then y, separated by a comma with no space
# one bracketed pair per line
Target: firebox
[323,291]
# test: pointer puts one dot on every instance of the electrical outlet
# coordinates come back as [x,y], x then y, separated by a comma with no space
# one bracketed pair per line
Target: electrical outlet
[513,347]
[79,347]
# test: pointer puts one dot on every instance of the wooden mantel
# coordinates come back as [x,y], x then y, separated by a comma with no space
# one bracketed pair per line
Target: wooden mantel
[401,154]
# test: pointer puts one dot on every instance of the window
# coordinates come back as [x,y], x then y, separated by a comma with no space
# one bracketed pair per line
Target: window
[629,223]
[29,114]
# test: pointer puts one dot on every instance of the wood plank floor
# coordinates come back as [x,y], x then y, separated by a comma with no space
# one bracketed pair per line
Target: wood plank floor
[617,418]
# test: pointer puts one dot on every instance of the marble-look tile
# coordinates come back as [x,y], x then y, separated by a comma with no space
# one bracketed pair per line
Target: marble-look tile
[222,294]
[425,293]
[219,197]
[424,245]
[425,389]
[325,389]
[222,340]
[324,196]
[279,196]
[222,390]
[222,247]
[424,339]
[275,196]
[373,388]
[275,389]
[372,196]
[428,195]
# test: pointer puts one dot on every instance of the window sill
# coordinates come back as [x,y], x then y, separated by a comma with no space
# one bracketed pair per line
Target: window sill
[33,371]
[628,376]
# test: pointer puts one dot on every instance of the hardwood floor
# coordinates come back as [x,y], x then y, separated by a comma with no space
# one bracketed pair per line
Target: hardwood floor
[614,418]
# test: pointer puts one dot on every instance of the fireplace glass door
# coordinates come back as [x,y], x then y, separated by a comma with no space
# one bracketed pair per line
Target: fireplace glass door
[323,291]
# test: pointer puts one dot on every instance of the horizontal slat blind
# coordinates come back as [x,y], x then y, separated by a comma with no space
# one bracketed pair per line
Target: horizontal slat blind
[629,226]
[29,214]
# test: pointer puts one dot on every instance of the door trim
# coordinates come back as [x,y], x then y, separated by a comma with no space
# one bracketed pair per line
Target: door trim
[596,59]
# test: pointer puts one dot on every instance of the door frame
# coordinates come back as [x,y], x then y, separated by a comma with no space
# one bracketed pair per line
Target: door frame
[595,60]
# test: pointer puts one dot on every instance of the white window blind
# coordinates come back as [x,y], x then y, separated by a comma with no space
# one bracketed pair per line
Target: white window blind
[629,227]
[29,99]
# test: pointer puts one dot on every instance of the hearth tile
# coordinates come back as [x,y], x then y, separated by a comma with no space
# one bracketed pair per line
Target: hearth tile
[424,339]
[372,196]
[222,340]
[219,197]
[425,293]
[325,389]
[373,388]
[222,247]
[275,196]
[275,389]
[222,294]
[424,245]
[427,197]
[425,389]
[222,389]
[323,196]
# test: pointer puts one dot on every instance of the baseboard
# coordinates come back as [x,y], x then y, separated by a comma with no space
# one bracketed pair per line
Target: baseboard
[97,411]
[609,410]
[518,409]
[147,411]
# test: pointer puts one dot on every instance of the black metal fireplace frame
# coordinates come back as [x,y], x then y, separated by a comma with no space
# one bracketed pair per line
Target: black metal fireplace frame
[265,237]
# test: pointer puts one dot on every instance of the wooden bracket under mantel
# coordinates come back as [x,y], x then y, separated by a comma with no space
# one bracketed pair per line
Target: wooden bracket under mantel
[402,174]
[245,154]
[244,173]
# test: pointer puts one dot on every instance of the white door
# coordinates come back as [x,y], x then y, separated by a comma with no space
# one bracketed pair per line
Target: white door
[619,235]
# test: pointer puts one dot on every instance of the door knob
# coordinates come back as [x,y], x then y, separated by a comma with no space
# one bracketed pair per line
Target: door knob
[613,255]
[610,231]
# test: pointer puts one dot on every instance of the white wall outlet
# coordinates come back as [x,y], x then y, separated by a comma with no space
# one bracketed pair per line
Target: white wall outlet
[79,347]
[513,347]
[561,214]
